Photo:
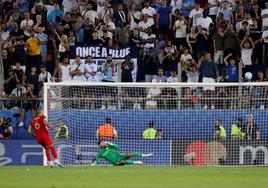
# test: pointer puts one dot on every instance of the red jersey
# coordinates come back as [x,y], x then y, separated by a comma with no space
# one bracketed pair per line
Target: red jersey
[39,126]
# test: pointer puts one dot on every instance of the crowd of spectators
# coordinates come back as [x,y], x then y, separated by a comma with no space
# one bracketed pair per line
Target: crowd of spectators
[210,40]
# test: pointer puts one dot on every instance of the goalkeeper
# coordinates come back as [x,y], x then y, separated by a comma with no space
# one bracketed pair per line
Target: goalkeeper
[110,153]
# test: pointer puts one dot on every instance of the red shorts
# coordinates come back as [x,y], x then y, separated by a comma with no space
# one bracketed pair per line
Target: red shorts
[44,140]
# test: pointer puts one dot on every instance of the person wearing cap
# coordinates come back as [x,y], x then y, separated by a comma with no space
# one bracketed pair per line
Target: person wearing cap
[150,132]
[251,130]
[107,131]
[220,132]
[236,130]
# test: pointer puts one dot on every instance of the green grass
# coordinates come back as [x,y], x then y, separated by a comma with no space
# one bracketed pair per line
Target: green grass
[134,177]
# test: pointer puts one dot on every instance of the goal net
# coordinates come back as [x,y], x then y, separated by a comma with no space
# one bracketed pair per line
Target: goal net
[181,123]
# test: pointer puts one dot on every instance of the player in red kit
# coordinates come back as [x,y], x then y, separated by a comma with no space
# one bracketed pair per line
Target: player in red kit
[39,126]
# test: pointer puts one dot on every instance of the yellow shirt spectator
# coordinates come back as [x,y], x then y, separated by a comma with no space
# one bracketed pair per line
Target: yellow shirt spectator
[33,46]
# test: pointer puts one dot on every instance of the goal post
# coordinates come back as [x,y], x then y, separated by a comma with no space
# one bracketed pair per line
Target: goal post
[193,123]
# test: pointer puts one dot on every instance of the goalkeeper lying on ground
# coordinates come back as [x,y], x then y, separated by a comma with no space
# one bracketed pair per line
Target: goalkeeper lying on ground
[110,153]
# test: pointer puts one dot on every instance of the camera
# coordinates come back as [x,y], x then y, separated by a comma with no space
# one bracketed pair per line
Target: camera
[6,122]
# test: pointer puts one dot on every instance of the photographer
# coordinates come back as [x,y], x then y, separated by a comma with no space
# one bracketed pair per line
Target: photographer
[5,128]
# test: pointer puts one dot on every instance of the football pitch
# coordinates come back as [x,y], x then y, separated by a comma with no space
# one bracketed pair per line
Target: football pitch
[134,177]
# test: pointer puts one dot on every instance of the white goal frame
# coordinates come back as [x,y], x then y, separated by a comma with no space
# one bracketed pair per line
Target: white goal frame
[160,85]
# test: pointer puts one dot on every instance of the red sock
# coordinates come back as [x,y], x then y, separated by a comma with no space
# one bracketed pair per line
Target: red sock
[54,153]
[48,154]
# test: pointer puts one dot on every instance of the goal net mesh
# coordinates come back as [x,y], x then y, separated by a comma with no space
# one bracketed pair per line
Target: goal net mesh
[221,124]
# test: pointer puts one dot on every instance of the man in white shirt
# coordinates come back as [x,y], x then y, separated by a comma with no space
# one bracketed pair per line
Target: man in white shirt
[180,27]
[90,14]
[44,76]
[213,9]
[90,70]
[264,16]
[196,13]
[205,21]
[143,26]
[77,70]
[105,10]
[110,25]
[150,11]
[27,24]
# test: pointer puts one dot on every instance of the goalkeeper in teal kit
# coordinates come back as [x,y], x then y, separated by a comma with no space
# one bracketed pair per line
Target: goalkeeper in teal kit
[110,153]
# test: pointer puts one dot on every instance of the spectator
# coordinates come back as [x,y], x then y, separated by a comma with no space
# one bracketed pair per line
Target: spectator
[245,100]
[180,26]
[210,73]
[18,72]
[227,12]
[5,128]
[34,54]
[91,15]
[62,132]
[64,70]
[18,95]
[247,47]
[107,131]
[151,63]
[30,102]
[205,21]
[159,134]
[220,132]
[106,9]
[213,9]
[134,17]
[264,16]
[10,82]
[108,69]
[218,45]
[163,19]
[260,93]
[231,68]
[33,78]
[201,41]
[230,40]
[152,97]
[27,24]
[236,130]
[120,18]
[150,133]
[186,60]
[77,70]
[251,130]
[127,67]
[44,76]
[67,5]
[150,11]
[63,46]
[192,73]
[43,37]
[160,77]
[90,70]
[191,40]
[170,56]
[194,15]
